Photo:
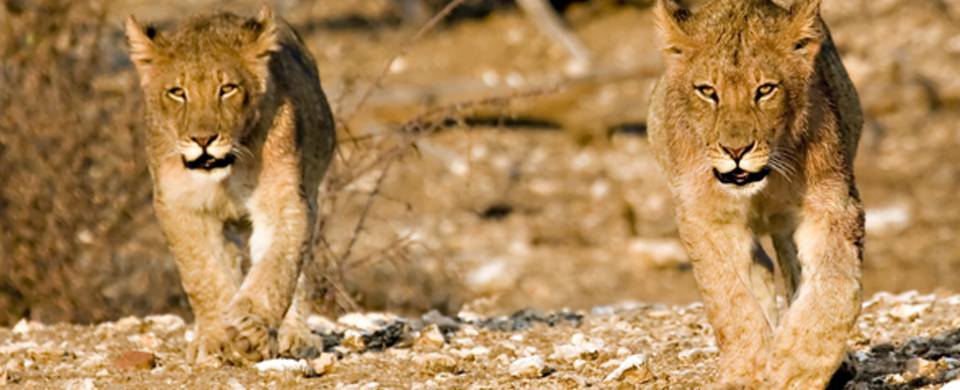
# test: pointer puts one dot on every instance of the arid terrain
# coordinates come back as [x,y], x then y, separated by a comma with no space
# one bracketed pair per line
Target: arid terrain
[479,175]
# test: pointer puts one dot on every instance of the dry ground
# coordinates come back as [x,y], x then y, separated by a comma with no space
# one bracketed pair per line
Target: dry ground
[546,200]
[651,346]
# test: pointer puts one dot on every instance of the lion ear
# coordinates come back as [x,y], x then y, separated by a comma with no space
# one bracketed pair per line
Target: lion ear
[805,34]
[140,39]
[672,17]
[266,40]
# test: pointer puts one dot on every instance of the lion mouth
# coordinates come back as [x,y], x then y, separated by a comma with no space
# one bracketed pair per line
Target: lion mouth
[741,177]
[207,162]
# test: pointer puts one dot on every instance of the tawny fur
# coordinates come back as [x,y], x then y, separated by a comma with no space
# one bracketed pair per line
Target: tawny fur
[766,78]
[251,86]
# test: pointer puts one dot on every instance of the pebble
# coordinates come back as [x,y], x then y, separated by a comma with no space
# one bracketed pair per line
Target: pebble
[135,360]
[953,385]
[81,384]
[436,362]
[165,322]
[528,367]
[920,368]
[634,365]
[353,340]
[282,365]
[473,353]
[128,324]
[661,253]
[322,365]
[368,322]
[430,338]
[579,347]
[908,312]
[25,326]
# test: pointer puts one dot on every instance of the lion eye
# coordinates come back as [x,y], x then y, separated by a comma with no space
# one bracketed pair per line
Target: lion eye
[178,94]
[707,92]
[228,89]
[765,91]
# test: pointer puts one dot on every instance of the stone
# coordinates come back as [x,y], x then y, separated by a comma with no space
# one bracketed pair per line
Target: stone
[322,365]
[528,367]
[634,366]
[135,360]
[436,362]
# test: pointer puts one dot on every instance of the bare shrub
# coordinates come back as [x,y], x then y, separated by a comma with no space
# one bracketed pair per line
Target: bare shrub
[77,240]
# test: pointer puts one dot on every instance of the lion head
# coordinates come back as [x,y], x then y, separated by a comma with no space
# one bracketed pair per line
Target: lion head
[203,83]
[738,73]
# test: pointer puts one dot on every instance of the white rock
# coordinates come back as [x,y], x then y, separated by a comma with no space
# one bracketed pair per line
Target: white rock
[470,331]
[147,341]
[17,347]
[660,252]
[165,322]
[474,352]
[579,347]
[430,338]
[888,219]
[633,362]
[81,384]
[353,340]
[128,324]
[234,384]
[22,327]
[515,80]
[693,353]
[282,365]
[953,385]
[907,312]
[435,362]
[489,275]
[399,65]
[368,322]
[527,367]
[321,323]
[490,78]
[323,364]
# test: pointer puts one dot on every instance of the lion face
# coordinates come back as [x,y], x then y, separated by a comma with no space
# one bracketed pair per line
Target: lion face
[203,88]
[741,83]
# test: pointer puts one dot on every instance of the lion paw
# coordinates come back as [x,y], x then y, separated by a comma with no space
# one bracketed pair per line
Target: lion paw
[298,341]
[248,339]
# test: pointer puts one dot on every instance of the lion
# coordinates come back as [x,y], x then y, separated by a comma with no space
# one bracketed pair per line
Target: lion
[755,124]
[239,133]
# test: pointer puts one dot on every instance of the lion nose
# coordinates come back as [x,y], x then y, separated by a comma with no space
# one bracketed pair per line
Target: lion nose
[204,140]
[739,152]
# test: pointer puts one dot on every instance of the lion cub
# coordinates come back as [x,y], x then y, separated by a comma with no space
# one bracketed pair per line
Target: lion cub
[755,124]
[238,130]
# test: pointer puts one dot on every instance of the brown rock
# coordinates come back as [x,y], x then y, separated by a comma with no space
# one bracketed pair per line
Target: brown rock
[135,360]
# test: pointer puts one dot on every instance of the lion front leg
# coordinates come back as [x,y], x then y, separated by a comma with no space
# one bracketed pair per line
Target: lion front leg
[208,273]
[811,342]
[279,245]
[725,268]
[296,339]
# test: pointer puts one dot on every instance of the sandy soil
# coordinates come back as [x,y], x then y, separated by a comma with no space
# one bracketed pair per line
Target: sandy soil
[901,341]
[546,199]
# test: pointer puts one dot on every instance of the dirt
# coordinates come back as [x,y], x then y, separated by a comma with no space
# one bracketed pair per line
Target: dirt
[526,210]
[902,341]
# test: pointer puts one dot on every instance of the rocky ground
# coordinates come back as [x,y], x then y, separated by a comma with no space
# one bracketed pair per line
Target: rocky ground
[527,185]
[906,341]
